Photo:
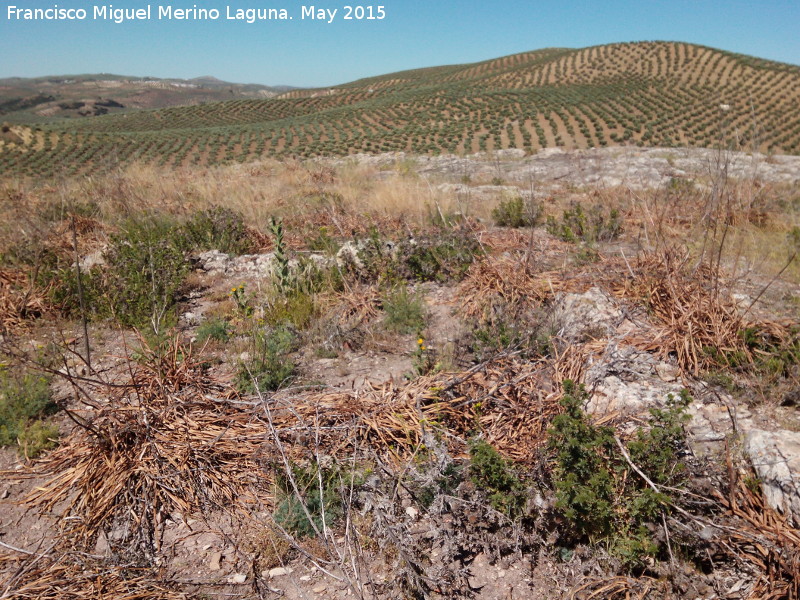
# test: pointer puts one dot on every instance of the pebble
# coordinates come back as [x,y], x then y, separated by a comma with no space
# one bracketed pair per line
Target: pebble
[213,563]
[238,578]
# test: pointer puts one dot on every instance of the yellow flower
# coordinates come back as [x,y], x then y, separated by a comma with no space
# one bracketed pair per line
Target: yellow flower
[422,347]
[420,341]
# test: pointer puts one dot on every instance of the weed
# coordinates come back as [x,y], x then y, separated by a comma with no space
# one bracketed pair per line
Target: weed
[578,225]
[282,273]
[405,311]
[296,307]
[424,359]
[145,272]
[242,300]
[448,258]
[323,242]
[312,491]
[37,437]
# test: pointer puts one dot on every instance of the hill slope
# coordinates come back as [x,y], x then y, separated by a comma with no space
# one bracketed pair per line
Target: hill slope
[649,93]
[43,99]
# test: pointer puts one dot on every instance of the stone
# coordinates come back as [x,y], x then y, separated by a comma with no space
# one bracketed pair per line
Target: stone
[775,456]
[279,572]
[213,562]
[237,578]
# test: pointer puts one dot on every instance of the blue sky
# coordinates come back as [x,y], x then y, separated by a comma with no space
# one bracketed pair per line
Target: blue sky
[414,33]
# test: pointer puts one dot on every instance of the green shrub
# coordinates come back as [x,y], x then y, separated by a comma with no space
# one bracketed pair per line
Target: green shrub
[578,225]
[405,311]
[144,274]
[216,228]
[598,493]
[446,258]
[269,366]
[217,329]
[37,437]
[515,212]
[490,472]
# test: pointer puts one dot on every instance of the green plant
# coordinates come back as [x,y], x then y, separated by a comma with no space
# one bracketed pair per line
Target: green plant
[578,225]
[312,498]
[447,258]
[216,228]
[490,472]
[424,358]
[268,366]
[598,492]
[295,307]
[405,310]
[24,400]
[217,329]
[516,212]
[282,272]
[242,300]
[145,272]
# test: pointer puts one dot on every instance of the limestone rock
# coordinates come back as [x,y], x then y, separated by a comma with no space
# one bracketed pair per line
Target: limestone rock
[776,459]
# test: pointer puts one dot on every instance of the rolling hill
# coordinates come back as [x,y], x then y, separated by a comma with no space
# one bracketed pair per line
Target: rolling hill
[644,93]
[45,99]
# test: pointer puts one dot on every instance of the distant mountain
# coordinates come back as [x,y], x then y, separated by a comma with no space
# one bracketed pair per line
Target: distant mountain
[43,99]
[643,93]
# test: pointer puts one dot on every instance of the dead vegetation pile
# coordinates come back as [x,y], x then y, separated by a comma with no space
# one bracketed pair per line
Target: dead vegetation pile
[168,441]
[20,300]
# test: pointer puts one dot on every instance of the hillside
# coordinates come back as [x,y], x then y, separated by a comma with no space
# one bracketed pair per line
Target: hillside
[648,93]
[44,99]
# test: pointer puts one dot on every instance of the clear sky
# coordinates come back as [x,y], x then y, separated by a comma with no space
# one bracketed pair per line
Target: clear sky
[414,33]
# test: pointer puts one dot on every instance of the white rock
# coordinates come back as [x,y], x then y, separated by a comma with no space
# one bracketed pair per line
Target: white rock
[237,578]
[776,459]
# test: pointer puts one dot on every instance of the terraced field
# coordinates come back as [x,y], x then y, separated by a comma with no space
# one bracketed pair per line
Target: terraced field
[649,94]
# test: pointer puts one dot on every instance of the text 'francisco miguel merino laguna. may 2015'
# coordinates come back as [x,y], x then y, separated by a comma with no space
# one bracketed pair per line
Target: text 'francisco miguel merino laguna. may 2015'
[168,12]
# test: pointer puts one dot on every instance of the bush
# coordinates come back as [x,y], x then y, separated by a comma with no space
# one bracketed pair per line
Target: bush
[318,500]
[216,229]
[578,225]
[596,490]
[447,258]
[515,212]
[145,271]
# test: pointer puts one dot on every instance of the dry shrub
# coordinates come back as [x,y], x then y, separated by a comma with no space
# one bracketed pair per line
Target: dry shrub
[696,319]
[57,578]
[166,442]
[509,400]
[762,541]
[507,280]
